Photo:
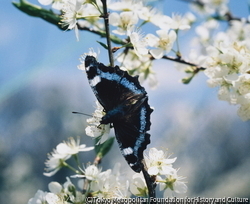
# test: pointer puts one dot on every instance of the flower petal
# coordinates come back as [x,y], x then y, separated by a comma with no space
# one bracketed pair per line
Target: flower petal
[157,53]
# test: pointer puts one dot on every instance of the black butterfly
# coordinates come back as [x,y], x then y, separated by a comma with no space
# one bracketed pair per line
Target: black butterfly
[125,102]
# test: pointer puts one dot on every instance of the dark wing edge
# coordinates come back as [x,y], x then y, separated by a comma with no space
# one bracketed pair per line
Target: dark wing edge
[132,153]
[132,135]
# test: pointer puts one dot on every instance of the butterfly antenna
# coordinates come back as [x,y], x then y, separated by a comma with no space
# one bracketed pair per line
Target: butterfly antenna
[82,113]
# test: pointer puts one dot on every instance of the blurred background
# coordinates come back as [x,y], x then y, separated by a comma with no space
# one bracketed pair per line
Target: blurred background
[40,86]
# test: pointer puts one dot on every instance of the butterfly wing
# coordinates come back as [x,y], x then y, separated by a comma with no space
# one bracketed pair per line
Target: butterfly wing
[111,85]
[131,134]
[126,106]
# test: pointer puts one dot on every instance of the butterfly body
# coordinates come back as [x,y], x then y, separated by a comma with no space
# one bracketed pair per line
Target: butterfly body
[125,102]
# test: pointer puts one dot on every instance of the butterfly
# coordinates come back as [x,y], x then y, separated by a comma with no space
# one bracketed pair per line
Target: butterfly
[125,103]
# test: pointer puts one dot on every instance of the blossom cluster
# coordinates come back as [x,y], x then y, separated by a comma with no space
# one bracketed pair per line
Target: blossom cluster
[95,129]
[160,166]
[64,151]
[227,62]
[223,53]
[228,68]
[58,194]
[94,182]
[127,19]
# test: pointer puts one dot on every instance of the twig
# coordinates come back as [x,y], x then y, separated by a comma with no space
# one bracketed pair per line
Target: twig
[199,3]
[150,181]
[179,60]
[106,22]
[228,17]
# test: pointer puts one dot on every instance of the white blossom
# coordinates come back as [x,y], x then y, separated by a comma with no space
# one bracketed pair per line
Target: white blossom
[139,43]
[239,31]
[228,68]
[163,43]
[39,198]
[52,198]
[72,11]
[72,147]
[62,153]
[158,162]
[76,10]
[83,56]
[179,23]
[92,172]
[151,15]
[141,66]
[138,186]
[55,162]
[190,18]
[59,194]
[176,22]
[95,128]
[110,184]
[64,194]
[105,184]
[172,183]
[243,84]
[55,187]
[244,111]
[124,21]
[205,31]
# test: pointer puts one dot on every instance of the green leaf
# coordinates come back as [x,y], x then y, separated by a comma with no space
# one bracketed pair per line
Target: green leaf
[103,45]
[37,11]
[102,149]
[187,80]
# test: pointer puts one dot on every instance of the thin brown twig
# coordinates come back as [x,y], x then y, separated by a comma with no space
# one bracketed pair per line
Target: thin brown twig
[106,22]
[150,181]
[179,60]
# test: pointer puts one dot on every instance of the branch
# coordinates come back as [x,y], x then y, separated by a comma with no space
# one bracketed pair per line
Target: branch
[179,60]
[193,71]
[106,22]
[197,2]
[150,181]
[228,17]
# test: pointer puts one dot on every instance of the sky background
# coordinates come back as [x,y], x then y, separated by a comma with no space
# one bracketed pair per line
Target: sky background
[40,86]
